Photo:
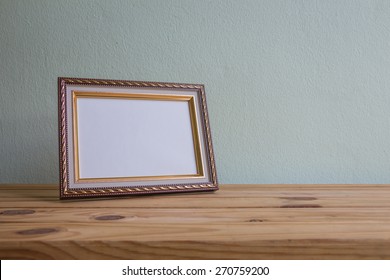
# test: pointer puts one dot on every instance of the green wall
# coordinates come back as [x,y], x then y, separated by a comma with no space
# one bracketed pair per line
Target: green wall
[298,91]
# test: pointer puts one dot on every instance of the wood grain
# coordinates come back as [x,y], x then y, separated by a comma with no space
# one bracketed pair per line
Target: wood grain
[237,222]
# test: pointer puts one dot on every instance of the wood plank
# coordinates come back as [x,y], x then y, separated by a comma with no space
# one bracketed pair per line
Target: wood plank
[154,250]
[190,202]
[173,215]
[195,232]
[227,197]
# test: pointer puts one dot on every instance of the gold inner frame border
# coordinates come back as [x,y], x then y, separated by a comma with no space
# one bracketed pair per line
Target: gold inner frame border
[138,96]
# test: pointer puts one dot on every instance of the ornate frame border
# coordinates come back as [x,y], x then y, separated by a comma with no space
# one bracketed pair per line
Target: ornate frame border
[67,193]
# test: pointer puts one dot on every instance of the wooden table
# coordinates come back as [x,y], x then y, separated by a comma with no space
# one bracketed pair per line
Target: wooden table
[236,222]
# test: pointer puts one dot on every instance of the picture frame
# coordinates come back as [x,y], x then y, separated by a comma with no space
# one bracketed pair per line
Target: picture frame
[119,138]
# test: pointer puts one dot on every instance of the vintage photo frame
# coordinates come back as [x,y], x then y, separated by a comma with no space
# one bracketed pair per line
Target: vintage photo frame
[126,137]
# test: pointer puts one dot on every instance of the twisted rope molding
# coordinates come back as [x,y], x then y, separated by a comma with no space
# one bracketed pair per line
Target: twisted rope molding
[208,135]
[130,83]
[125,190]
[63,131]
